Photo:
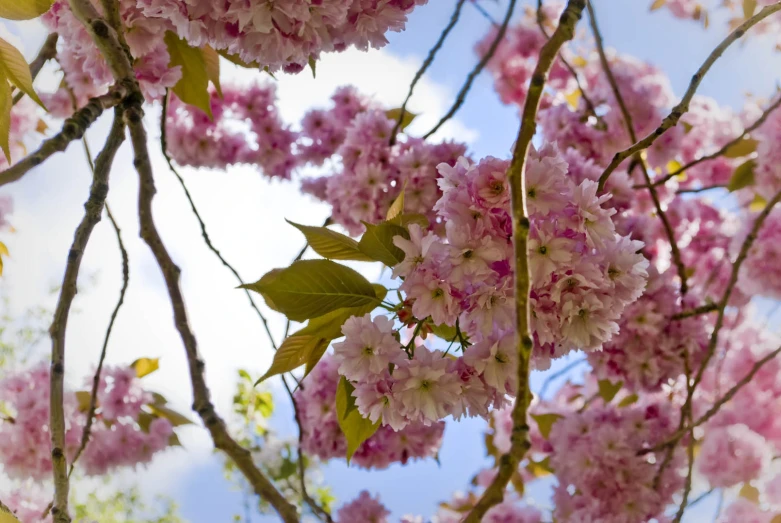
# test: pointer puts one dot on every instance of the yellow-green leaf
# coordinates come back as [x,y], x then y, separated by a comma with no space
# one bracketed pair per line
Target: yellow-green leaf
[420,219]
[749,6]
[6,516]
[211,61]
[235,59]
[446,332]
[377,242]
[750,493]
[687,127]
[295,351]
[84,398]
[171,415]
[393,114]
[331,244]
[356,428]
[545,422]
[6,104]
[23,9]
[573,98]
[742,177]
[608,390]
[539,469]
[330,325]
[313,66]
[145,366]
[657,4]
[17,71]
[3,252]
[757,204]
[310,288]
[397,207]
[628,400]
[193,87]
[741,148]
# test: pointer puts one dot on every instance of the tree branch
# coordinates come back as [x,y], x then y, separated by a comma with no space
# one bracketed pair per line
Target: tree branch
[73,129]
[676,252]
[702,309]
[461,98]
[772,107]
[426,63]
[679,110]
[47,52]
[114,52]
[93,210]
[519,438]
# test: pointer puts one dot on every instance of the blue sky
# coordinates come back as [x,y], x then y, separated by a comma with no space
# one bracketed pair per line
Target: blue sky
[245,214]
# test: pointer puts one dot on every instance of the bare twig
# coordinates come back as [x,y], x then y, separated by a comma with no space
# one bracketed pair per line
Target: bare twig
[702,309]
[47,52]
[93,210]
[556,375]
[426,63]
[519,438]
[483,12]
[679,110]
[114,52]
[115,139]
[686,414]
[676,252]
[73,129]
[461,98]
[772,107]
[317,509]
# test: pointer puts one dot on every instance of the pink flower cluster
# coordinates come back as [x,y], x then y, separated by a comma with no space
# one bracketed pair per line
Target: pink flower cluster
[86,71]
[508,511]
[372,172]
[760,273]
[363,509]
[245,129]
[324,438]
[116,439]
[282,34]
[600,475]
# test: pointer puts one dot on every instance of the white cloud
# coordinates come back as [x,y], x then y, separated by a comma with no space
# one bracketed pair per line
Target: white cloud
[245,216]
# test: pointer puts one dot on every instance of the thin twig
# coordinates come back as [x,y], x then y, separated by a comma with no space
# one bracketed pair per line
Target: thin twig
[679,110]
[519,439]
[461,98]
[702,309]
[720,152]
[93,209]
[697,190]
[556,375]
[482,11]
[47,52]
[687,414]
[426,63]
[73,129]
[676,252]
[114,52]
[115,138]
[317,509]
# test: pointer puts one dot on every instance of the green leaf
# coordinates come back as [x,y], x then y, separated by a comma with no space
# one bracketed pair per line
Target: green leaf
[15,68]
[308,345]
[741,148]
[295,351]
[313,66]
[393,114]
[6,104]
[742,177]
[311,288]
[377,242]
[145,366]
[628,400]
[287,469]
[397,207]
[420,219]
[545,422]
[608,390]
[176,419]
[173,441]
[23,9]
[84,398]
[446,332]
[540,469]
[211,61]
[356,428]
[235,59]
[331,244]
[749,6]
[193,87]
